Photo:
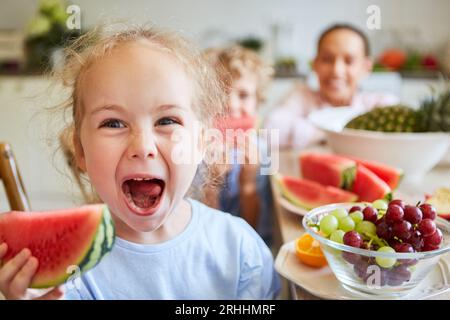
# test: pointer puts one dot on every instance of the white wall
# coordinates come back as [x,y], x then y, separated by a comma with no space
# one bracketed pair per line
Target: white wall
[421,23]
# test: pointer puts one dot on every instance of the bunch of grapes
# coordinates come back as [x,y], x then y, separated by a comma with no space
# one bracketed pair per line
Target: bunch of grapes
[383,227]
[409,228]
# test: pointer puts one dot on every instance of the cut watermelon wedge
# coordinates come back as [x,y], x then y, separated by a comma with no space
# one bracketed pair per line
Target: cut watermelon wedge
[369,187]
[60,240]
[328,169]
[391,175]
[309,194]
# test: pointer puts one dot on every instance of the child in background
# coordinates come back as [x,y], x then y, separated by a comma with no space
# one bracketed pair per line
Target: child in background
[342,61]
[246,192]
[141,99]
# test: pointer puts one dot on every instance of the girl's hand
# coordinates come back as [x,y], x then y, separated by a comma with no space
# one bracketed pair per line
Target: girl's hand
[16,276]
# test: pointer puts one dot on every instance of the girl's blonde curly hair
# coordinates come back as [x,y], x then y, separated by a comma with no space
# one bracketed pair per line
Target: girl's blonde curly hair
[231,62]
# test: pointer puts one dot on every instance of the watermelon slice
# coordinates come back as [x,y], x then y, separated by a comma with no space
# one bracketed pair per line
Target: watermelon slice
[59,240]
[235,123]
[309,194]
[391,175]
[328,169]
[369,187]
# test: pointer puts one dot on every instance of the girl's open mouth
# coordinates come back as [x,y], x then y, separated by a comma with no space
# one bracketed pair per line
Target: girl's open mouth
[143,195]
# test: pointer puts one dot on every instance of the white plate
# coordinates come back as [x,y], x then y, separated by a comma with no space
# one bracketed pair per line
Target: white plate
[285,203]
[322,282]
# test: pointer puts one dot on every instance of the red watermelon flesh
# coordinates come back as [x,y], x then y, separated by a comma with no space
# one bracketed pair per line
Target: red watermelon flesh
[369,187]
[58,239]
[235,123]
[328,169]
[391,175]
[309,194]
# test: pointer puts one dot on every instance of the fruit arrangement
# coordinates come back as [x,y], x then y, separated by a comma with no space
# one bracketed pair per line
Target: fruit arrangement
[432,116]
[60,240]
[383,227]
[328,178]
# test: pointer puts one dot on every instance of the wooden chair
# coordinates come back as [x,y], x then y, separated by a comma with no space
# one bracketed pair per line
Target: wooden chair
[12,181]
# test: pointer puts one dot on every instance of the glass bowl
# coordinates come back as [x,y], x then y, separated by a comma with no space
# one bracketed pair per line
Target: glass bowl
[357,270]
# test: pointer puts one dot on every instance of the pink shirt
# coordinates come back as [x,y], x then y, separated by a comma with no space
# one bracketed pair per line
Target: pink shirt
[290,116]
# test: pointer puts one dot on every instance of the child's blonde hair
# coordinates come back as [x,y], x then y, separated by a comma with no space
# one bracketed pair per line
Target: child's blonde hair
[231,62]
[209,96]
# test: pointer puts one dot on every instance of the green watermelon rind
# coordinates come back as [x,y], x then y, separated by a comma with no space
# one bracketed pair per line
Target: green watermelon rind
[290,196]
[345,166]
[103,242]
[349,176]
[86,258]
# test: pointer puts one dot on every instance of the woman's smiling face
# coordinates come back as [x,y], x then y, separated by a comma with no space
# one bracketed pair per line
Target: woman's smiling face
[133,102]
[341,63]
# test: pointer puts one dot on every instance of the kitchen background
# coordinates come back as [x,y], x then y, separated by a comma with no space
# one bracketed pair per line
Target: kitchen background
[285,30]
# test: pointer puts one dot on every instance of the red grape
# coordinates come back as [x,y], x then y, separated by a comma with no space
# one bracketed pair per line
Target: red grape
[382,219]
[393,242]
[434,240]
[360,268]
[426,227]
[370,214]
[413,214]
[398,275]
[394,214]
[350,257]
[353,238]
[429,212]
[384,231]
[354,208]
[416,240]
[402,230]
[398,202]
[404,248]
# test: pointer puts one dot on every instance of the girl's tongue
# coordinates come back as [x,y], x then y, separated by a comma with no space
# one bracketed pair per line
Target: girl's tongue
[143,193]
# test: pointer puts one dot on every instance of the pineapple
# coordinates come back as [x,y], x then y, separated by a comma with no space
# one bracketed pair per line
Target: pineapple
[432,116]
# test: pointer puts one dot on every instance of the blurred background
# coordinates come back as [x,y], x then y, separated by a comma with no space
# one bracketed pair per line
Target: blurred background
[412,51]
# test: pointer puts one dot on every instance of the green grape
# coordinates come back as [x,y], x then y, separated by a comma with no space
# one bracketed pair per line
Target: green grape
[339,213]
[385,262]
[346,224]
[366,228]
[357,216]
[328,224]
[380,204]
[337,236]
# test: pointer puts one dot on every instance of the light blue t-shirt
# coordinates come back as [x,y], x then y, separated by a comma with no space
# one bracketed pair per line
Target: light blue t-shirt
[217,256]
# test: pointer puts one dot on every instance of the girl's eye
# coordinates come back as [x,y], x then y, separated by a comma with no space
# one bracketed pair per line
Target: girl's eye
[243,95]
[166,122]
[112,123]
[349,61]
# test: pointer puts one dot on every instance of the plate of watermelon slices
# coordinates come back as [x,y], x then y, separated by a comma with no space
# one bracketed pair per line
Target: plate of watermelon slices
[328,178]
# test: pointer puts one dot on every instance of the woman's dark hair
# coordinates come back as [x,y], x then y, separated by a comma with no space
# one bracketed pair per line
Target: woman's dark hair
[345,26]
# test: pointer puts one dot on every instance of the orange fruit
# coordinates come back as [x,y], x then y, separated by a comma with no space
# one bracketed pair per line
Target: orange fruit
[308,251]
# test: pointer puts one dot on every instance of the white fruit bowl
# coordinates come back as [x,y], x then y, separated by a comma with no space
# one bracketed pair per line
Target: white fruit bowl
[415,153]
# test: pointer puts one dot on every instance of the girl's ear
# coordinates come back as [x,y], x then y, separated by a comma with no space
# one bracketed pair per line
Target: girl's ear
[79,153]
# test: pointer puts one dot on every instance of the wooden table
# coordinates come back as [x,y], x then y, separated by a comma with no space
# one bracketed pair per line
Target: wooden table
[288,225]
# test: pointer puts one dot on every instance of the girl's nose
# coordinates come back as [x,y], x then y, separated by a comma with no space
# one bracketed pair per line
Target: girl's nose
[142,146]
